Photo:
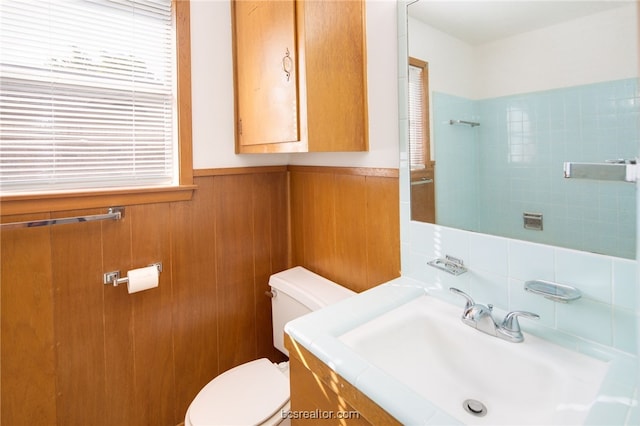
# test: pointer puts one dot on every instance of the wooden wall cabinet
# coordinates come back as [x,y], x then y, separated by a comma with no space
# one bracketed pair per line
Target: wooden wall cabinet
[300,76]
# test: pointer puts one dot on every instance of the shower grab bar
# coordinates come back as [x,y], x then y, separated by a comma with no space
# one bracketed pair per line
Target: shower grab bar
[114,213]
[469,123]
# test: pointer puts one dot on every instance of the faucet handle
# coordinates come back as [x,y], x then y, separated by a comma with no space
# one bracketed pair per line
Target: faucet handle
[470,301]
[511,323]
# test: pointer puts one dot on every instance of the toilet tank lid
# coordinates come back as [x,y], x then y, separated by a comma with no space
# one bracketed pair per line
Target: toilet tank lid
[247,394]
[309,288]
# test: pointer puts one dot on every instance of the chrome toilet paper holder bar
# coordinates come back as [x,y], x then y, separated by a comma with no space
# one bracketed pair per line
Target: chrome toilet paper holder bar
[114,279]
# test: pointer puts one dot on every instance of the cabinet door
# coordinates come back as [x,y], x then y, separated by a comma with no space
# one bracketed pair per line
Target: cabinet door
[266,72]
[336,78]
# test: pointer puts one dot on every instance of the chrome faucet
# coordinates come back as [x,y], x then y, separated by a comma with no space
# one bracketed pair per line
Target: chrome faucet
[481,317]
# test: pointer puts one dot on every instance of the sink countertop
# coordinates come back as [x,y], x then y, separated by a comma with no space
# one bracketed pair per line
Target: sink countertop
[319,331]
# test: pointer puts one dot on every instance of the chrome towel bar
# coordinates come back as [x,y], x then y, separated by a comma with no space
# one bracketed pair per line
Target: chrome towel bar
[613,171]
[114,213]
[422,181]
[469,123]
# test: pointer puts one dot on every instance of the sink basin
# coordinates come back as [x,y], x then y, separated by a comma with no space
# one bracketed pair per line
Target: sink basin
[474,377]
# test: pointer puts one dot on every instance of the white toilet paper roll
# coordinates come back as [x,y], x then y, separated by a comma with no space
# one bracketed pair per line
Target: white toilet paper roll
[142,278]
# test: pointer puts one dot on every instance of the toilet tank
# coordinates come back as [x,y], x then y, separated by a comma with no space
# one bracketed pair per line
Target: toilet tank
[298,291]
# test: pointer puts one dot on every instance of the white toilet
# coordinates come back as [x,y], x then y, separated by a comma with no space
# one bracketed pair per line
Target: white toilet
[256,393]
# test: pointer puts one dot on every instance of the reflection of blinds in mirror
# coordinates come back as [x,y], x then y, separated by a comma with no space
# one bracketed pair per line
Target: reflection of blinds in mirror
[417,111]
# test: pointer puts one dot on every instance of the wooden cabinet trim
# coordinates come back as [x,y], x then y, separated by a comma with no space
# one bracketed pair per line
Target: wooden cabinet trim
[39,203]
[359,171]
[238,170]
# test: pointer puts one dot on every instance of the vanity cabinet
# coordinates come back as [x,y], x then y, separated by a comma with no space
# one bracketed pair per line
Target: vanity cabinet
[300,76]
[320,394]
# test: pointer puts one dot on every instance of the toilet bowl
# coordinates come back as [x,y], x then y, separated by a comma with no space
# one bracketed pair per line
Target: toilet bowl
[257,392]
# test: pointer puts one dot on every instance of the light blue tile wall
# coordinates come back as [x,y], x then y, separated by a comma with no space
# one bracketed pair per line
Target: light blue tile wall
[520,148]
[498,267]
[457,151]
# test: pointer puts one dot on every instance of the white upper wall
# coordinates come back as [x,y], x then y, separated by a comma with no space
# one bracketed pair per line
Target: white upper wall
[212,93]
[595,48]
[451,61]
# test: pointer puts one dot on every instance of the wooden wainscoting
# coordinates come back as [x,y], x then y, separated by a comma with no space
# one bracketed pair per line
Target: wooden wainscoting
[77,352]
[345,223]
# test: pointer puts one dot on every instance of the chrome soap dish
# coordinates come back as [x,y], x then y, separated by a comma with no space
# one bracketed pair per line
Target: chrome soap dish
[449,264]
[553,291]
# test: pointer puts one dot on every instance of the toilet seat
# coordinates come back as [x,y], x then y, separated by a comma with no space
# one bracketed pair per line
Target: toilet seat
[248,394]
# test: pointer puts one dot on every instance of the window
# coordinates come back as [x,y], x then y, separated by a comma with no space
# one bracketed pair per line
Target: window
[88,95]
[419,147]
[422,168]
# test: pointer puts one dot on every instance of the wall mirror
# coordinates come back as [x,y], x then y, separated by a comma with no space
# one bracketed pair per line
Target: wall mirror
[502,95]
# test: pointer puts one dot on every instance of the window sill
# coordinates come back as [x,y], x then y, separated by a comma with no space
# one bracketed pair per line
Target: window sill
[39,203]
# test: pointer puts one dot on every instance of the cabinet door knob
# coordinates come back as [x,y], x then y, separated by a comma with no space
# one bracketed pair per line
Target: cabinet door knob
[287,64]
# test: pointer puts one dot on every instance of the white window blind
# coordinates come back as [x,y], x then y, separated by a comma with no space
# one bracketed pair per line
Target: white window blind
[86,95]
[417,111]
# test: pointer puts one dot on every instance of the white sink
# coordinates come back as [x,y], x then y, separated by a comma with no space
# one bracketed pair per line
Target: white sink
[424,345]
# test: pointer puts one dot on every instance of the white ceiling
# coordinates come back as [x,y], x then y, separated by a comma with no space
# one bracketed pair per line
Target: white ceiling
[481,21]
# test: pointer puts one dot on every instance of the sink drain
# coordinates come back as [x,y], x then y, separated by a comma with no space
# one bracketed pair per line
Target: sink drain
[475,407]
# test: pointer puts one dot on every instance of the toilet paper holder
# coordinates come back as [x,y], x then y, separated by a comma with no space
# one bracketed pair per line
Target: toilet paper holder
[113,277]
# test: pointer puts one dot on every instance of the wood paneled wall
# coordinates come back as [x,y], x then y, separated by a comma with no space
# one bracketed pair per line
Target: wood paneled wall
[345,223]
[77,352]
